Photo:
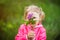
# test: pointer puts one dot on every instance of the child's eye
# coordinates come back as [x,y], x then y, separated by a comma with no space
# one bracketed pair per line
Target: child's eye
[34,17]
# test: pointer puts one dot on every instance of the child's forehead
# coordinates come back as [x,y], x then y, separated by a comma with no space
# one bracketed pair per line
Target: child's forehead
[34,13]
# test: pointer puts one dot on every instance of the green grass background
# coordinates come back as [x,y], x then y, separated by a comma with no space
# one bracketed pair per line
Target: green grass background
[11,17]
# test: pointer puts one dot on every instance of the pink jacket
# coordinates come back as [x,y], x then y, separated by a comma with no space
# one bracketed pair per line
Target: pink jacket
[40,32]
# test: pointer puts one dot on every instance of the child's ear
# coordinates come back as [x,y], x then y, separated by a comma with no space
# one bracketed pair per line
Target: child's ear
[42,15]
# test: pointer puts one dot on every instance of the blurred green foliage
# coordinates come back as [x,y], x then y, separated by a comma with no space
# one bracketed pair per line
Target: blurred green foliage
[11,16]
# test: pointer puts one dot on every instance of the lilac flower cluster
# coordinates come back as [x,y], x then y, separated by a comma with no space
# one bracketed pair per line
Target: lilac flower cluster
[30,16]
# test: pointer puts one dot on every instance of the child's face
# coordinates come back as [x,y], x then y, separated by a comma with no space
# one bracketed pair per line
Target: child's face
[35,15]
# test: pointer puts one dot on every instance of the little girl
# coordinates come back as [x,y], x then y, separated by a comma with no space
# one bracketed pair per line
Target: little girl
[32,30]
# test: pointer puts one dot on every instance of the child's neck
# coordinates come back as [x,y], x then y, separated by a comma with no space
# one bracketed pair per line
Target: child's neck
[33,25]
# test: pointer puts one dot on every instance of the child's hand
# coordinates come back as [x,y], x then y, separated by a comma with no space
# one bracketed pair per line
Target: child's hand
[30,35]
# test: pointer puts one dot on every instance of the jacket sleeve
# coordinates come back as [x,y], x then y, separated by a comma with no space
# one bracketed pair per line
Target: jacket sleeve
[21,35]
[42,35]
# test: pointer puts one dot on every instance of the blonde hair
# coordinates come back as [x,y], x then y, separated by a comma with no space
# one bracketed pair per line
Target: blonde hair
[36,9]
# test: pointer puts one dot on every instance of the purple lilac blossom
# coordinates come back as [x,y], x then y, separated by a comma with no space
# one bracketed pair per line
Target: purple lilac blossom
[30,16]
